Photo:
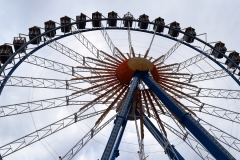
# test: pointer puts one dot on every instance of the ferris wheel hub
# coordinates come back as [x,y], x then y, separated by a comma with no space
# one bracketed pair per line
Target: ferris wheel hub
[126,69]
[140,64]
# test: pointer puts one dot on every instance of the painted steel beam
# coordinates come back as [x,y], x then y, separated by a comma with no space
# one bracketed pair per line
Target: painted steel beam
[191,141]
[115,152]
[168,148]
[122,116]
[207,140]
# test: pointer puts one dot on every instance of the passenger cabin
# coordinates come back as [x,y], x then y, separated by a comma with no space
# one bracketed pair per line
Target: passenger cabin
[144,21]
[80,19]
[18,42]
[34,32]
[112,22]
[160,21]
[65,21]
[190,31]
[175,25]
[96,16]
[49,25]
[128,20]
[234,56]
[221,47]
[5,52]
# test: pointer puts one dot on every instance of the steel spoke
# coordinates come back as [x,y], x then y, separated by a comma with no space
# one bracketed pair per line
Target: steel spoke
[67,51]
[188,138]
[109,41]
[222,136]
[81,143]
[42,83]
[190,62]
[33,106]
[44,132]
[218,134]
[191,142]
[216,93]
[206,76]
[169,53]
[214,111]
[52,65]
[88,44]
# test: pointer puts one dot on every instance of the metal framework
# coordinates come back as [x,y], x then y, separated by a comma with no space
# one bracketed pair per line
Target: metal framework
[82,142]
[203,140]
[44,132]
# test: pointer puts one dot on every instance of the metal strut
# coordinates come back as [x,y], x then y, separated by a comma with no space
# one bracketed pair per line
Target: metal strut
[207,140]
[141,148]
[121,117]
[115,152]
[169,149]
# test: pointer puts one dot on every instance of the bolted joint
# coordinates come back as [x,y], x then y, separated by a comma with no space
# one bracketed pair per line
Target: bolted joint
[116,153]
[181,120]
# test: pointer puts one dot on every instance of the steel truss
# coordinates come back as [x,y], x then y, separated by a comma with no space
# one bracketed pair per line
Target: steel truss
[87,43]
[218,134]
[190,62]
[220,113]
[207,76]
[201,76]
[42,83]
[82,142]
[66,51]
[169,53]
[190,140]
[207,140]
[120,120]
[75,55]
[33,106]
[216,93]
[44,132]
[217,112]
[109,41]
[168,148]
[186,136]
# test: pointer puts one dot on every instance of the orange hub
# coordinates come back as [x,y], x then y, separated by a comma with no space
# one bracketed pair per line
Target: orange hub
[126,69]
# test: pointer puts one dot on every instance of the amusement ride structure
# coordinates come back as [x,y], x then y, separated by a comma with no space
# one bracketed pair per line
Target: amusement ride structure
[137,86]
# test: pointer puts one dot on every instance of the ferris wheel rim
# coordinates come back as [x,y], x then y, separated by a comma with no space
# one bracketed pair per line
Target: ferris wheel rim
[5,79]
[98,28]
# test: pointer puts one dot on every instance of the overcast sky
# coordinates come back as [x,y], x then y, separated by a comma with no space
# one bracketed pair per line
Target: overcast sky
[219,19]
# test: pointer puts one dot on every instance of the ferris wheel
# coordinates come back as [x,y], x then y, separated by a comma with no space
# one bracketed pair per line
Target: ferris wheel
[164,91]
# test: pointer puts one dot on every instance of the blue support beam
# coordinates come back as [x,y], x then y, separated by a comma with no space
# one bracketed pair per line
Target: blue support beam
[207,140]
[121,117]
[169,149]
[116,151]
